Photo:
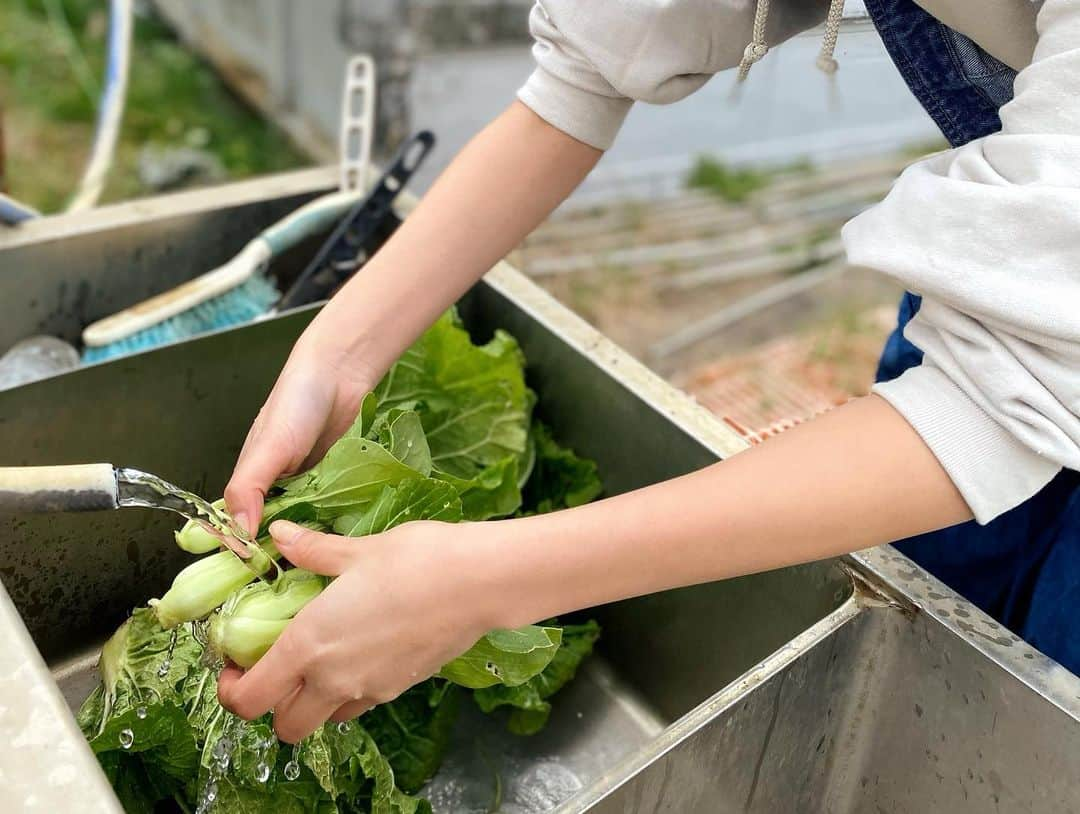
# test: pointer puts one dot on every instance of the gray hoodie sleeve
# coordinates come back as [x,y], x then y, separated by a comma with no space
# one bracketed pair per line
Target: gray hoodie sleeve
[595,58]
[989,234]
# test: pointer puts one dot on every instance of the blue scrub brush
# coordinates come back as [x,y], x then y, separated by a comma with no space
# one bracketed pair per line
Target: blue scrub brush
[240,291]
[233,294]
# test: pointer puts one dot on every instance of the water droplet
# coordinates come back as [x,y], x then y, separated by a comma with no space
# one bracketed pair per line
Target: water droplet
[292,770]
[262,772]
[211,792]
[409,445]
[446,505]
[140,713]
[343,727]
[127,737]
[163,670]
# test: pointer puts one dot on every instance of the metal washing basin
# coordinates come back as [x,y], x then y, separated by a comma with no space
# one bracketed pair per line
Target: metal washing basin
[845,686]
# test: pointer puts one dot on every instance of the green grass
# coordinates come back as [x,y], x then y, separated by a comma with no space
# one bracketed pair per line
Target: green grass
[51,58]
[731,184]
[736,185]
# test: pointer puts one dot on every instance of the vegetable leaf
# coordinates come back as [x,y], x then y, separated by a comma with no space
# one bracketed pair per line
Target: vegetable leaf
[352,475]
[560,479]
[474,403]
[420,499]
[492,492]
[509,657]
[414,731]
[529,701]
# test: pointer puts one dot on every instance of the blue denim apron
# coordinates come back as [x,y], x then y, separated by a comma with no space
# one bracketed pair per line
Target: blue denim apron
[1024,567]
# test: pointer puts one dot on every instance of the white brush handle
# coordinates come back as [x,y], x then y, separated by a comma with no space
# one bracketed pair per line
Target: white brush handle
[79,488]
[180,299]
[310,219]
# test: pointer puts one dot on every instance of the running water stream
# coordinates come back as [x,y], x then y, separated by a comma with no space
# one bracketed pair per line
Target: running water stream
[141,489]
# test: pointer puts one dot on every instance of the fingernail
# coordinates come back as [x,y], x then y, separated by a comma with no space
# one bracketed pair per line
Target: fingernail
[241,519]
[285,532]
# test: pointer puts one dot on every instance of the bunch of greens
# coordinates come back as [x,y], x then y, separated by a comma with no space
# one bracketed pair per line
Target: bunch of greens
[448,435]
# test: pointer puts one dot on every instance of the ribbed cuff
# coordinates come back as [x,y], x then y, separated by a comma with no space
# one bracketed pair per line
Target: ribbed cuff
[589,117]
[993,471]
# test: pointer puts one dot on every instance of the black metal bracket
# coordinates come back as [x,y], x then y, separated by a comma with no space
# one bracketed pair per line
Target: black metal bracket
[361,232]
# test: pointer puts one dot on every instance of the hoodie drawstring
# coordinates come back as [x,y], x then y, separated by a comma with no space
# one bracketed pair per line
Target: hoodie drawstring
[758,47]
[826,61]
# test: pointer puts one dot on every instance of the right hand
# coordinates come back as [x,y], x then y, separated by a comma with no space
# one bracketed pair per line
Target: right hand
[314,401]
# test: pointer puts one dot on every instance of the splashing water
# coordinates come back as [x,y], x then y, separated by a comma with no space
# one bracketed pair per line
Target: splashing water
[221,758]
[207,798]
[166,664]
[138,488]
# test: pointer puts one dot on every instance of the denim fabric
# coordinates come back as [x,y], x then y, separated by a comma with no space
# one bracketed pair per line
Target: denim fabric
[1024,567]
[958,84]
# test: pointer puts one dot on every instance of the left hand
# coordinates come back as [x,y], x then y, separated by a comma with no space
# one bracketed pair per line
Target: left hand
[403,604]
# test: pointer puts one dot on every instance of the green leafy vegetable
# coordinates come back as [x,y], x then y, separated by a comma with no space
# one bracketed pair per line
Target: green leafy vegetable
[253,618]
[419,499]
[446,437]
[205,585]
[560,479]
[529,701]
[135,721]
[474,403]
[414,731]
[509,657]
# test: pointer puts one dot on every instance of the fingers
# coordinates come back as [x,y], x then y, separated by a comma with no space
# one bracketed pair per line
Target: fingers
[268,683]
[267,454]
[326,554]
[301,714]
[226,687]
[282,436]
[354,709]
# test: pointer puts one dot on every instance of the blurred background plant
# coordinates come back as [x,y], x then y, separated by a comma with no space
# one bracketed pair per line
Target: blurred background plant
[182,123]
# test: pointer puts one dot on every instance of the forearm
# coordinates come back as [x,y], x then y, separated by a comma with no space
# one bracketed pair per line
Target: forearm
[497,190]
[856,477]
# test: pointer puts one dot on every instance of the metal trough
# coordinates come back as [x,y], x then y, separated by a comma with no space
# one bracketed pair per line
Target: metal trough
[859,685]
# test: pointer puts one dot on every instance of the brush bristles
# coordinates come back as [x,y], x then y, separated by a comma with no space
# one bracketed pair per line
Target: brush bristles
[243,304]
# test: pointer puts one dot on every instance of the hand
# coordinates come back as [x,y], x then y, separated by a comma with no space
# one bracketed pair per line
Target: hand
[315,399]
[403,604]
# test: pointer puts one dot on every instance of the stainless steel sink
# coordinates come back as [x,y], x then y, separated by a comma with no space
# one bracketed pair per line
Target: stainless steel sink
[846,686]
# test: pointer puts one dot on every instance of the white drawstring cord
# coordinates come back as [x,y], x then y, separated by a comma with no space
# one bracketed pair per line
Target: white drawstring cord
[826,61]
[757,48]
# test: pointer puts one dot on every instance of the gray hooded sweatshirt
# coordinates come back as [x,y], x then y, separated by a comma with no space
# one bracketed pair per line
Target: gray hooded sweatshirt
[988,234]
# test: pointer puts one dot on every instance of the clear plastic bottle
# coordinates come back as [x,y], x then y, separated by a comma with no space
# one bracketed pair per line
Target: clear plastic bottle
[36,358]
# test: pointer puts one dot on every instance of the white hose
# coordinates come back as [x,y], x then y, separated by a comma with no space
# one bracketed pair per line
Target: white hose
[111,112]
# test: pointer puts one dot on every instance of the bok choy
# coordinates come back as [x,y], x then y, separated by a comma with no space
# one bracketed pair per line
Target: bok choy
[448,435]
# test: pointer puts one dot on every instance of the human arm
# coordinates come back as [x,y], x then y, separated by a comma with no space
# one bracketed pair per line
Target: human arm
[593,61]
[987,233]
[407,601]
[495,192]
